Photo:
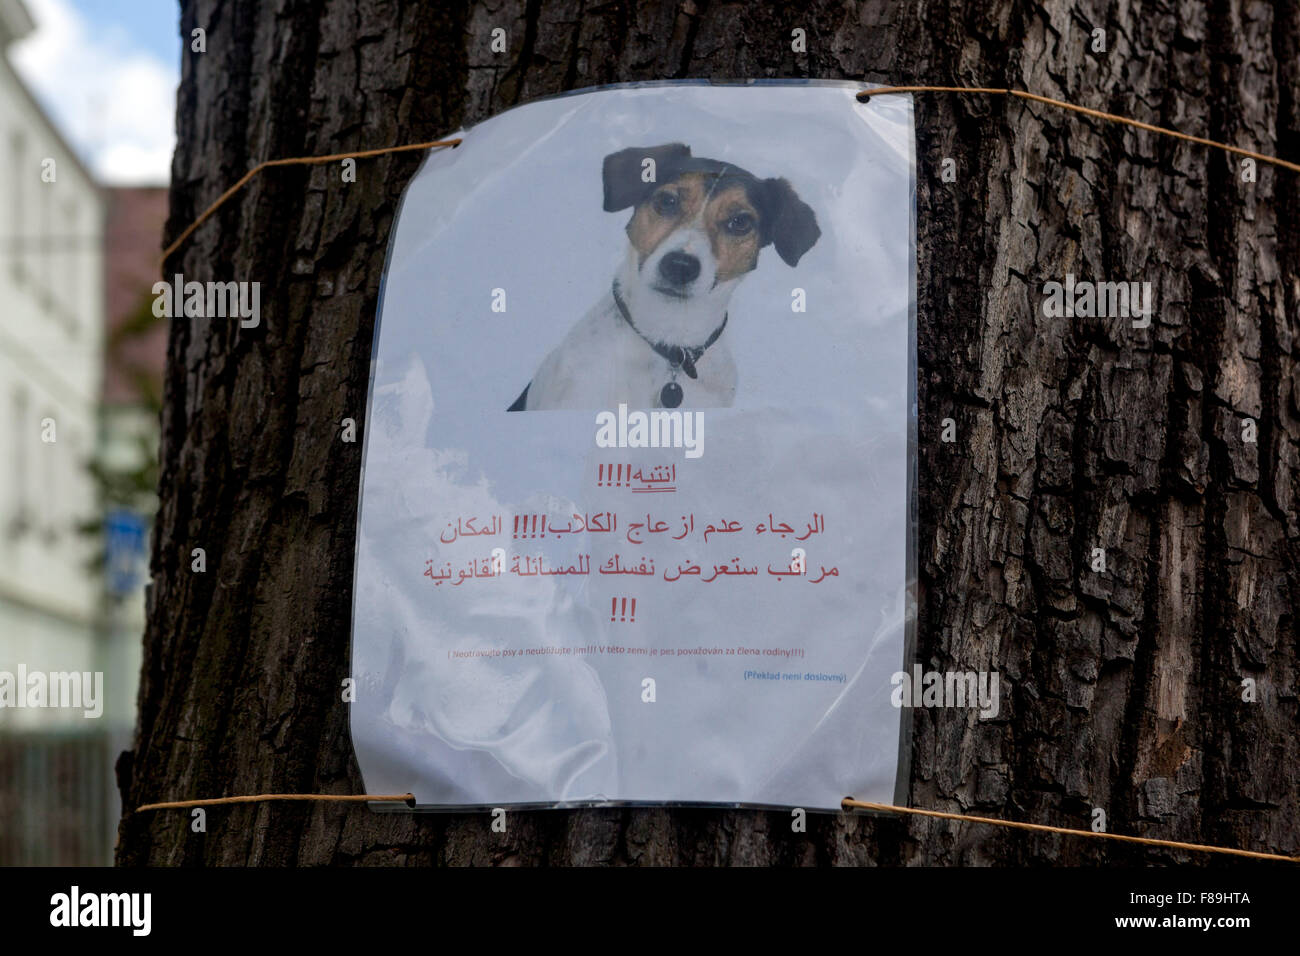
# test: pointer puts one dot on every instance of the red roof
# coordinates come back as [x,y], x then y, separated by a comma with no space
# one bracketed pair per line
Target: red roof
[132,244]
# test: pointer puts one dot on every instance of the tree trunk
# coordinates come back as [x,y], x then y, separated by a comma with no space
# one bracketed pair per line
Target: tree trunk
[1124,687]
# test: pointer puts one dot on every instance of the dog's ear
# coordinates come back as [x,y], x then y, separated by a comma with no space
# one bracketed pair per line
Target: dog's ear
[623,172]
[790,224]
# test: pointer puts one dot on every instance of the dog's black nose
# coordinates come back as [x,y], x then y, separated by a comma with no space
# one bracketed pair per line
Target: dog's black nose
[679,268]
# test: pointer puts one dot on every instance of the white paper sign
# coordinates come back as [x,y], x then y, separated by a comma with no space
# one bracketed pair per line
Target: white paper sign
[678,570]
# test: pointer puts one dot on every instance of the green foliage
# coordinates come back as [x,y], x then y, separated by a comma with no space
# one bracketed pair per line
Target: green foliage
[134,488]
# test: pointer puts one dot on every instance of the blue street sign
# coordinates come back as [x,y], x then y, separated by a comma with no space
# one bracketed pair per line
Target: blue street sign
[126,550]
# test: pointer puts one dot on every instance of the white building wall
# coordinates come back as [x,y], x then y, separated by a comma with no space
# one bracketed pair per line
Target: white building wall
[51,348]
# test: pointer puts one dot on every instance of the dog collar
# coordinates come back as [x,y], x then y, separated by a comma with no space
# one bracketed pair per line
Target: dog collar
[681,357]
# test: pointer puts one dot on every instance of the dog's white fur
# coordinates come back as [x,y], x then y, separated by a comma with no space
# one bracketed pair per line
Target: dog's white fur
[602,362]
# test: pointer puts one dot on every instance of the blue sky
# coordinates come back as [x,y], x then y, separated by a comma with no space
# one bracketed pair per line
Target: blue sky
[106,72]
[150,25]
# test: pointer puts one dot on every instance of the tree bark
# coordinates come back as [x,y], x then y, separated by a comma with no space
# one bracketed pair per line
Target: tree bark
[1123,687]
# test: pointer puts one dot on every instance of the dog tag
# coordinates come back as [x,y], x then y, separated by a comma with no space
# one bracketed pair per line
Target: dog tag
[670,396]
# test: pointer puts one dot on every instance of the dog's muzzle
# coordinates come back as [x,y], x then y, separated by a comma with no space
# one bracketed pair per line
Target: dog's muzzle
[679,268]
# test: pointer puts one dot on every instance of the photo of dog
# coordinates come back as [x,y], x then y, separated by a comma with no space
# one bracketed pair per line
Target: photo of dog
[658,338]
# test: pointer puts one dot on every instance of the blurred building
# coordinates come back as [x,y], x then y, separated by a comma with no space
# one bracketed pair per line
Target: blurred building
[51,359]
[135,350]
[71,429]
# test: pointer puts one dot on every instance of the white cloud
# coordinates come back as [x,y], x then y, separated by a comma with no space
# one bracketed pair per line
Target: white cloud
[112,101]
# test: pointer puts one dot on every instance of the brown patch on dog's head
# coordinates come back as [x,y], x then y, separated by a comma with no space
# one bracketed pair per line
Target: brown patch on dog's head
[730,219]
[734,225]
[663,211]
[742,213]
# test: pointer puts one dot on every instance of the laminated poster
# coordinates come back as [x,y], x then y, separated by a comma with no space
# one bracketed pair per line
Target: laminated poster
[637,506]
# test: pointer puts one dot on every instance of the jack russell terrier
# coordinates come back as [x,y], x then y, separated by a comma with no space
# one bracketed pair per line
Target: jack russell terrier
[656,339]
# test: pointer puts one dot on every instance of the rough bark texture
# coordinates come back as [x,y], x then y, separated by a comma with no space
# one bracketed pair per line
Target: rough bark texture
[1124,687]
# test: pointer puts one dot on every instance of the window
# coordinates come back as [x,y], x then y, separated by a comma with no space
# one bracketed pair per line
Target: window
[45,245]
[76,253]
[14,239]
[23,439]
[52,456]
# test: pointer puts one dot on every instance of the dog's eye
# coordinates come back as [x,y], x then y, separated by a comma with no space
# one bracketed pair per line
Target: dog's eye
[741,224]
[665,203]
